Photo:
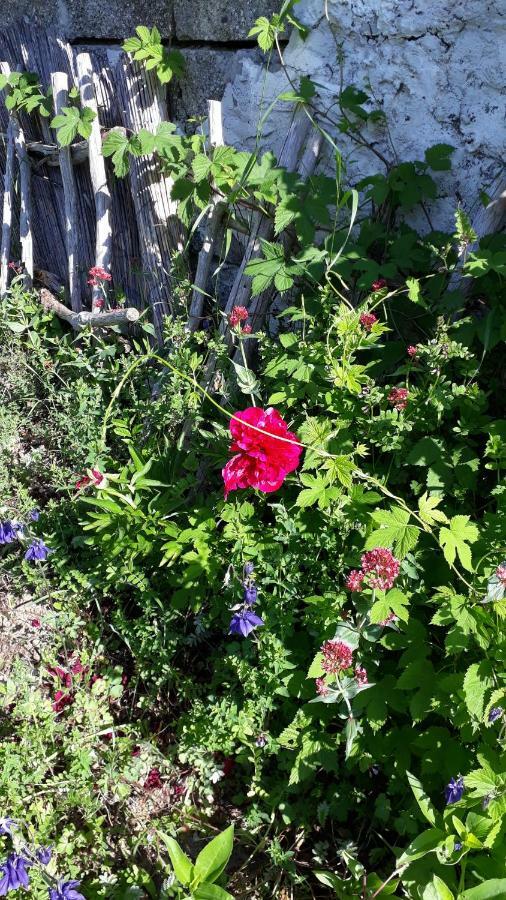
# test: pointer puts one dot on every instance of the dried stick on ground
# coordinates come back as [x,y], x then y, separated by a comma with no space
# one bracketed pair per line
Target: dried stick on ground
[79,320]
[8,200]
[489,220]
[161,233]
[213,230]
[103,244]
[60,85]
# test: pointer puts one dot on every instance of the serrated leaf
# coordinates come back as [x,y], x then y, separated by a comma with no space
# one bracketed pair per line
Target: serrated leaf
[477,681]
[455,539]
[429,513]
[394,601]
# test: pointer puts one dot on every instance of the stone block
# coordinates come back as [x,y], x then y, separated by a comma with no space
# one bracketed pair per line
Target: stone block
[219,21]
[93,19]
[208,71]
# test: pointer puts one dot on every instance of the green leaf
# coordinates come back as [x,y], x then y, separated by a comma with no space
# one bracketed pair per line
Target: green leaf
[395,532]
[315,669]
[477,681]
[117,146]
[423,844]
[393,601]
[427,507]
[264,32]
[212,860]
[414,292]
[437,890]
[211,892]
[438,157]
[423,799]
[456,539]
[488,890]
[181,863]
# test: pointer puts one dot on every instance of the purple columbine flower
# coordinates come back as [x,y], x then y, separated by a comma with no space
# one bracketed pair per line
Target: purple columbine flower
[248,569]
[34,515]
[495,713]
[8,532]
[13,874]
[261,740]
[250,594]
[457,846]
[44,855]
[66,890]
[454,790]
[244,622]
[37,550]
[6,825]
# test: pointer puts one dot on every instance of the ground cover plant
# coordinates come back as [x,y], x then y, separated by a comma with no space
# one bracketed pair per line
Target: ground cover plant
[277,601]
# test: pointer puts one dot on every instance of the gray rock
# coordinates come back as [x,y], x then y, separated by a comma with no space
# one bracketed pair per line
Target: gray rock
[86,19]
[219,20]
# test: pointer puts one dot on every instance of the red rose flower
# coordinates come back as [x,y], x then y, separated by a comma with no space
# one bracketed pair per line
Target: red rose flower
[264,457]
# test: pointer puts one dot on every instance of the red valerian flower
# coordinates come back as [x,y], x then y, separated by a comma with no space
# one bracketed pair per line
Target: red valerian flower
[381,567]
[246,329]
[354,580]
[336,656]
[389,619]
[379,284]
[35,623]
[238,314]
[361,675]
[61,700]
[264,453]
[501,573]
[412,351]
[322,687]
[98,274]
[368,320]
[398,398]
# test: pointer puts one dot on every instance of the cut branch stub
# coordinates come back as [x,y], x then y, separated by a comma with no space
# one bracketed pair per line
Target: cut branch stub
[102,195]
[79,320]
[60,85]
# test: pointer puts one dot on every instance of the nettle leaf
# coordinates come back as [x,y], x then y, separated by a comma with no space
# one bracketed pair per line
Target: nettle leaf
[394,601]
[395,531]
[456,539]
[477,681]
[429,513]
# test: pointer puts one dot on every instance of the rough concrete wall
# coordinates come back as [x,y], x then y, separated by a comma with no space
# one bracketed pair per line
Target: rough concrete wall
[436,68]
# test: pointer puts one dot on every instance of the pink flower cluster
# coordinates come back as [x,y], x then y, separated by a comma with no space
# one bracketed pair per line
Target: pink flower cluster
[261,460]
[336,656]
[368,320]
[398,398]
[239,314]
[412,351]
[501,573]
[380,568]
[379,284]
[97,275]
[361,675]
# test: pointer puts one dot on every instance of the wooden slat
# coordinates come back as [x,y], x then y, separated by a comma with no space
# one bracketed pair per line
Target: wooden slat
[60,85]
[102,195]
[8,200]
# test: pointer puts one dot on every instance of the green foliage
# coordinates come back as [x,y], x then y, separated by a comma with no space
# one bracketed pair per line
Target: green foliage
[24,92]
[71,122]
[147,47]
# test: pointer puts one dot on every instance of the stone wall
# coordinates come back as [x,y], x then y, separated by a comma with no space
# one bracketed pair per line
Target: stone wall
[436,68]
